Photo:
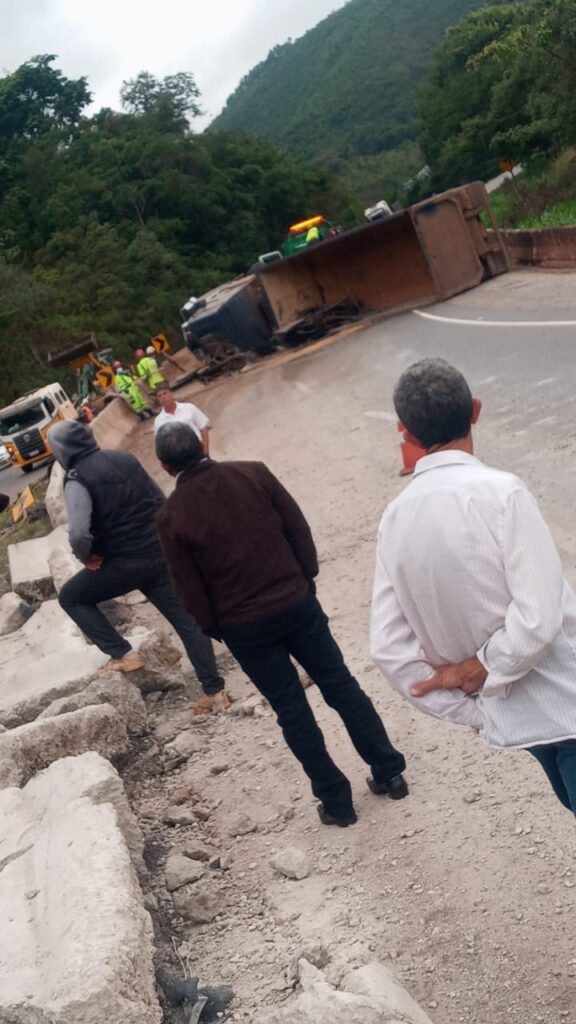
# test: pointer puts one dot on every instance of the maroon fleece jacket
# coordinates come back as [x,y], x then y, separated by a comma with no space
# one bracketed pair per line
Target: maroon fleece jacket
[237,545]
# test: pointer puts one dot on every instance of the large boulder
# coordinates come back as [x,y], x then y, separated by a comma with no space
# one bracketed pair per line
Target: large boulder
[13,613]
[47,658]
[370,995]
[25,750]
[112,688]
[76,941]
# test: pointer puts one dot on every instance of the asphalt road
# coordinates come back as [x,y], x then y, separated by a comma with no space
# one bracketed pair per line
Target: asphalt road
[468,886]
[515,341]
[13,481]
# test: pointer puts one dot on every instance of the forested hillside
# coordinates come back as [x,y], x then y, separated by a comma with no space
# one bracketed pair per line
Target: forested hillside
[109,223]
[344,94]
[501,87]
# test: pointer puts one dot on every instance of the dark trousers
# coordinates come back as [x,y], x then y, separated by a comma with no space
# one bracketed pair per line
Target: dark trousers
[263,650]
[559,762]
[81,595]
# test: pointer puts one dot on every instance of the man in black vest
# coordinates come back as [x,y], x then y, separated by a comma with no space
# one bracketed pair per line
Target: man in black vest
[112,504]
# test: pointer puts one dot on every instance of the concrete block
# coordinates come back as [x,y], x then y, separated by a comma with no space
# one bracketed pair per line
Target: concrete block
[76,941]
[13,613]
[45,659]
[552,248]
[114,689]
[29,564]
[62,564]
[27,749]
[114,424]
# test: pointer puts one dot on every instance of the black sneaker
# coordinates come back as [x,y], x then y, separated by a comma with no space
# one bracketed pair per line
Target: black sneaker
[396,788]
[332,819]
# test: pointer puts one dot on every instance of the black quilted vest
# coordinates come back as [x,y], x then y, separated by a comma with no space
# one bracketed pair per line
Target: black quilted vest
[125,501]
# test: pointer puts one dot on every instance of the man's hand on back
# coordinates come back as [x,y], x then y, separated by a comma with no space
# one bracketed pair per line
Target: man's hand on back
[469,676]
[94,563]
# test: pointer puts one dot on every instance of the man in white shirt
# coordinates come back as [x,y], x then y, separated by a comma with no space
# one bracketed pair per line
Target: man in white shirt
[472,619]
[183,412]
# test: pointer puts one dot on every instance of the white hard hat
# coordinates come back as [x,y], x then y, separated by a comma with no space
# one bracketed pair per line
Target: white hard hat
[150,351]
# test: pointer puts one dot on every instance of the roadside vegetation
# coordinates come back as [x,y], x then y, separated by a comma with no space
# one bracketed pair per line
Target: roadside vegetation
[109,223]
[500,92]
[37,526]
[540,198]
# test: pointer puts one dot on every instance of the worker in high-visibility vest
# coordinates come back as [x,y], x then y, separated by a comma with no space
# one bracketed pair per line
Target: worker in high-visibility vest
[147,368]
[126,384]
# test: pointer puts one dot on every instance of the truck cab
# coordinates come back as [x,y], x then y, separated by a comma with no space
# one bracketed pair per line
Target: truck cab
[25,423]
[380,211]
[307,232]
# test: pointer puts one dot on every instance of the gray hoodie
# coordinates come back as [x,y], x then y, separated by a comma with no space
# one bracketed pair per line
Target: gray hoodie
[71,441]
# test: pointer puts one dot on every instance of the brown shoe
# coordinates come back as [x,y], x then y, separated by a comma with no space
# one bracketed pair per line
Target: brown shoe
[212,703]
[130,662]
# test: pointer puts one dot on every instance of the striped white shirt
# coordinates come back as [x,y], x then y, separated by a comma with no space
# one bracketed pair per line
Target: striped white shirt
[466,566]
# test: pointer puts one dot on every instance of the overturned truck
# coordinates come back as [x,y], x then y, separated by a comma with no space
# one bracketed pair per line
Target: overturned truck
[421,255]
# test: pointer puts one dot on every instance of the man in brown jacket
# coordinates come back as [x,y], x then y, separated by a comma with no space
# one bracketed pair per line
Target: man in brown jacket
[243,562]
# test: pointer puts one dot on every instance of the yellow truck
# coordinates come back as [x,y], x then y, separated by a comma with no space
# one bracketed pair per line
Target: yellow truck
[25,423]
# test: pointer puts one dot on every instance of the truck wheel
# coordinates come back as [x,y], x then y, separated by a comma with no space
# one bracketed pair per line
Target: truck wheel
[27,469]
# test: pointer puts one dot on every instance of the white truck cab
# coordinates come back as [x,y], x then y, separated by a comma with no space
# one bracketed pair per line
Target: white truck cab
[25,423]
[380,211]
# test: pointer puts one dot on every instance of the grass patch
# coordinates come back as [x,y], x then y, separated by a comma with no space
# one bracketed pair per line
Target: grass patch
[13,533]
[558,216]
[500,202]
[542,197]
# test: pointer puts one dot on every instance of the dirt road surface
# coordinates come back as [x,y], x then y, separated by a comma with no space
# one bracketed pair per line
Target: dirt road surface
[469,886]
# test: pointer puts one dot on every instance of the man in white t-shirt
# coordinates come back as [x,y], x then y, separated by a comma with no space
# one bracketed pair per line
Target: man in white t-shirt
[183,412]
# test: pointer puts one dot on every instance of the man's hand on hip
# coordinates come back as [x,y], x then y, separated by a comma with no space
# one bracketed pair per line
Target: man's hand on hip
[468,675]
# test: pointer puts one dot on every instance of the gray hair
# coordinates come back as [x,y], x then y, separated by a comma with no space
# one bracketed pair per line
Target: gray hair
[178,446]
[434,402]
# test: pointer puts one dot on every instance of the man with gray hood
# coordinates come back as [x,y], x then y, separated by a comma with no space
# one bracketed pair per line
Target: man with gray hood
[112,504]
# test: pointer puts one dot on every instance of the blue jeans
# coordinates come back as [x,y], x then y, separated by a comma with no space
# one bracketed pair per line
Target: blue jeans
[263,649]
[81,595]
[559,762]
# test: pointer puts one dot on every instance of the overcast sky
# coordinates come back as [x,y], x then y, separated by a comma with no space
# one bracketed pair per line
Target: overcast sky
[112,40]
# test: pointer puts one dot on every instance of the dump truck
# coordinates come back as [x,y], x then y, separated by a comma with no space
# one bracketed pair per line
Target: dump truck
[401,260]
[25,423]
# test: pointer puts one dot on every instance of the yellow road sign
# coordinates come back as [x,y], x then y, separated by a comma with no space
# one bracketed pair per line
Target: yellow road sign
[104,378]
[20,507]
[160,343]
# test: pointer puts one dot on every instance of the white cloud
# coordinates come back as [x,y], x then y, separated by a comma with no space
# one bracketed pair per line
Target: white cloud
[109,41]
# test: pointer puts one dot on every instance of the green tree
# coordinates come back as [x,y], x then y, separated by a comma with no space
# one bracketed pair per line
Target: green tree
[455,104]
[501,85]
[37,99]
[175,95]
